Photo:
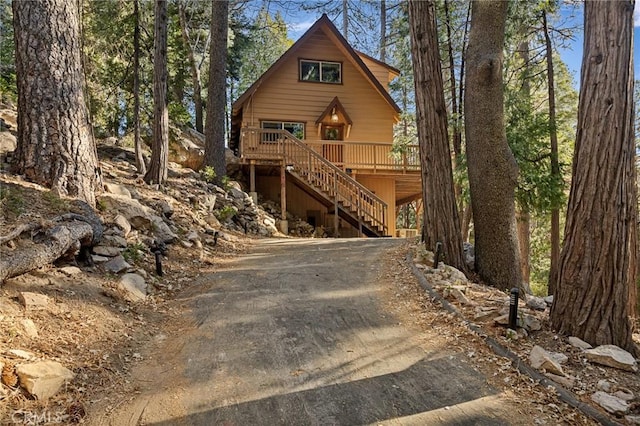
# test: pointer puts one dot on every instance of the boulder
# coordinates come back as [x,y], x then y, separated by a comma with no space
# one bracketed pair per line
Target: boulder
[542,360]
[43,379]
[134,287]
[624,394]
[536,303]
[604,385]
[7,142]
[549,300]
[139,216]
[559,357]
[531,323]
[99,259]
[123,224]
[612,356]
[456,294]
[106,251]
[115,240]
[114,188]
[117,265]
[610,403]
[633,420]
[579,343]
[30,329]
[33,301]
[70,270]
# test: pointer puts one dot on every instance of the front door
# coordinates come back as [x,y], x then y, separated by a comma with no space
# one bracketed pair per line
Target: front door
[333,151]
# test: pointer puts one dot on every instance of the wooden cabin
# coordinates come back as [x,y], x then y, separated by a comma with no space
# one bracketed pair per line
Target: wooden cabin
[315,133]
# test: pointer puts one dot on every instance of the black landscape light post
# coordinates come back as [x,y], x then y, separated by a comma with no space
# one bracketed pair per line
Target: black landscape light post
[513,309]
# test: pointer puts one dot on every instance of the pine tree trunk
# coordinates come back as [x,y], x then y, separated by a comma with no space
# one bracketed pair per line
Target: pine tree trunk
[441,214]
[492,168]
[523,223]
[555,165]
[137,143]
[158,167]
[216,103]
[345,19]
[195,71]
[383,30]
[598,259]
[55,145]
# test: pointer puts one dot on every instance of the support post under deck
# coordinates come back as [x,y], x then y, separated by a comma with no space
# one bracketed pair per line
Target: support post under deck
[252,182]
[284,225]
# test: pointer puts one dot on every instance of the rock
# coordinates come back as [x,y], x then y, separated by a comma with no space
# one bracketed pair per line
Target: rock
[116,265]
[511,334]
[455,275]
[164,208]
[134,287]
[531,323]
[115,240]
[579,343]
[33,301]
[559,357]
[566,382]
[612,356]
[212,221]
[114,188]
[19,353]
[502,320]
[549,300]
[455,293]
[29,328]
[7,142]
[536,303]
[624,394]
[106,251]
[139,216]
[542,360]
[193,236]
[610,403]
[162,231]
[70,270]
[633,420]
[604,385]
[99,259]
[43,379]
[123,223]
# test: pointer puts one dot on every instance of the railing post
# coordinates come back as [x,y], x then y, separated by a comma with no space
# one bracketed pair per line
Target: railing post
[359,200]
[335,204]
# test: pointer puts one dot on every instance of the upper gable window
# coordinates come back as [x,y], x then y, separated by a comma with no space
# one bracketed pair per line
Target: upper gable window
[321,71]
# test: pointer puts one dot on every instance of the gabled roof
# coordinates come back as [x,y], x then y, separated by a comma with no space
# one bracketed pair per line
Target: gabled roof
[392,70]
[334,106]
[352,55]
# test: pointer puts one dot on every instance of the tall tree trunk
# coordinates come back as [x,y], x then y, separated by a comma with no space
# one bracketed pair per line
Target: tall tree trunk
[383,30]
[137,142]
[158,166]
[598,259]
[214,138]
[555,165]
[440,212]
[493,170]
[55,145]
[345,19]
[523,215]
[195,71]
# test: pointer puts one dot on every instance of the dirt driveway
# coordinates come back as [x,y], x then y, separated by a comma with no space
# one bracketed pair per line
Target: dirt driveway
[299,332]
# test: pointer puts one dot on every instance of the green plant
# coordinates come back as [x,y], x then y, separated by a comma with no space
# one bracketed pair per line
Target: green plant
[11,201]
[55,202]
[226,181]
[133,252]
[208,174]
[225,213]
[101,205]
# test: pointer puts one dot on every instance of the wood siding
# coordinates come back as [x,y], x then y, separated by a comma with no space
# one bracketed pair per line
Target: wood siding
[385,188]
[380,72]
[283,97]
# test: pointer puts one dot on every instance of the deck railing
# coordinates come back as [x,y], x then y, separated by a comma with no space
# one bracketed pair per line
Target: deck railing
[376,156]
[317,171]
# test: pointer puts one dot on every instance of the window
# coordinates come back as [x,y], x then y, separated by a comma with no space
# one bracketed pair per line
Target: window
[296,129]
[321,71]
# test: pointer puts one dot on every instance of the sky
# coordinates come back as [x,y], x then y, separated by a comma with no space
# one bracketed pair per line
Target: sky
[569,15]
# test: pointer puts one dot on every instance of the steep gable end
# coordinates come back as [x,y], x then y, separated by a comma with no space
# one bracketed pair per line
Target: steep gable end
[324,25]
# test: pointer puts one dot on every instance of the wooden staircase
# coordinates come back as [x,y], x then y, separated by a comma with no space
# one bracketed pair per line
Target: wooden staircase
[349,199]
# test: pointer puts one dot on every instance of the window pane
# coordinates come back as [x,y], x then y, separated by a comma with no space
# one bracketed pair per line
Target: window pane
[296,129]
[330,72]
[309,71]
[271,125]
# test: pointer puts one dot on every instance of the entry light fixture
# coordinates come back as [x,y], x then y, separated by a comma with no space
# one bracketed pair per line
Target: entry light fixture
[334,115]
